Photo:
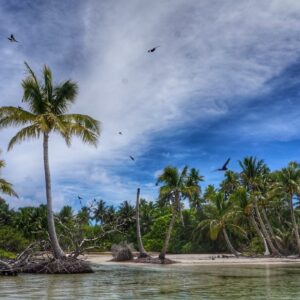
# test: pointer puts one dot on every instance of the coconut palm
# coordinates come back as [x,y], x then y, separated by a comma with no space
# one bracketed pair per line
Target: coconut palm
[220,216]
[100,211]
[48,105]
[289,183]
[176,187]
[244,204]
[253,171]
[142,250]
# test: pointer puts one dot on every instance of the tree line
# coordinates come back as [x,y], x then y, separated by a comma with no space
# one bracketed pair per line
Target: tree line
[253,211]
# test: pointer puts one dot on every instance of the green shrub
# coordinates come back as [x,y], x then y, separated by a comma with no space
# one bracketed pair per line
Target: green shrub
[12,240]
[7,254]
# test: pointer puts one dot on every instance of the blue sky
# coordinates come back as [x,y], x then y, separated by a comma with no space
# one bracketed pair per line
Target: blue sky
[224,83]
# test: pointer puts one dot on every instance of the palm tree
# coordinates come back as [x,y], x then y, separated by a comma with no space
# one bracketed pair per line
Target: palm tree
[220,214]
[142,250]
[177,186]
[289,183]
[100,211]
[244,203]
[48,105]
[5,186]
[253,171]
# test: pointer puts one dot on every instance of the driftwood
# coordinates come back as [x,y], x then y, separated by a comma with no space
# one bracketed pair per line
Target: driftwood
[33,261]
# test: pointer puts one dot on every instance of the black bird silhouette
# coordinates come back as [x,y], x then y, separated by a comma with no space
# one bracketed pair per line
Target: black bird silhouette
[224,168]
[79,198]
[12,39]
[153,49]
[120,132]
[131,157]
[19,107]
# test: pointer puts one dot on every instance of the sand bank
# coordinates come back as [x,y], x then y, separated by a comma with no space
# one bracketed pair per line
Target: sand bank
[202,259]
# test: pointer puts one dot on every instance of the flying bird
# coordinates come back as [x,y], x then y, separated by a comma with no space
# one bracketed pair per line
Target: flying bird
[12,39]
[79,198]
[153,49]
[120,133]
[131,157]
[224,168]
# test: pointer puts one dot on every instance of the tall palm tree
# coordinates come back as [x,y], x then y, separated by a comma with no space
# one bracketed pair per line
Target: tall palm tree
[289,183]
[241,198]
[220,214]
[48,105]
[100,211]
[5,186]
[176,187]
[253,171]
[142,250]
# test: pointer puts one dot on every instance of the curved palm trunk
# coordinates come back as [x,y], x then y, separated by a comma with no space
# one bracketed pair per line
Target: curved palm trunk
[163,252]
[142,251]
[57,251]
[264,230]
[229,245]
[269,227]
[295,225]
[263,239]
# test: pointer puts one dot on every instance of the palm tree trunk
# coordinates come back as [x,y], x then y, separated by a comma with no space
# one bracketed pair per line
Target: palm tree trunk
[264,230]
[295,225]
[269,227]
[57,251]
[142,251]
[260,234]
[229,245]
[163,252]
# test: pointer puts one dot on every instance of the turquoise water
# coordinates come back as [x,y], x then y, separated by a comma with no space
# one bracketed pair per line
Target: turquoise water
[160,282]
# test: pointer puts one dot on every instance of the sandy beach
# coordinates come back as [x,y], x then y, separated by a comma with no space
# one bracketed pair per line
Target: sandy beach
[201,259]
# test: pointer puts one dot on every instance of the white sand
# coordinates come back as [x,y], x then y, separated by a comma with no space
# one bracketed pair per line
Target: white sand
[201,259]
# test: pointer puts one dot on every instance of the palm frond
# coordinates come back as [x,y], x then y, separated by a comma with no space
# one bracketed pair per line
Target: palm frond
[7,188]
[14,116]
[32,131]
[64,94]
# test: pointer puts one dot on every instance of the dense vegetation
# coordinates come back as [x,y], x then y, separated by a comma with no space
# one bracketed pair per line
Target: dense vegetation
[252,211]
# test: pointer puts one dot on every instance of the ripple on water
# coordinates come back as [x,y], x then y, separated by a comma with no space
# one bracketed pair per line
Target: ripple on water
[160,282]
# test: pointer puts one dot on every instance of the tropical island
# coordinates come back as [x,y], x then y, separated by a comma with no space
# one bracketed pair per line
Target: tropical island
[149,150]
[252,213]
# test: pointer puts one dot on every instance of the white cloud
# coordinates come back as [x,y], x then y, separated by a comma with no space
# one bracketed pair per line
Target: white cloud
[212,52]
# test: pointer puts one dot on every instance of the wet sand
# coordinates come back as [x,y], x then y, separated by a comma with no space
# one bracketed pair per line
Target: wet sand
[201,259]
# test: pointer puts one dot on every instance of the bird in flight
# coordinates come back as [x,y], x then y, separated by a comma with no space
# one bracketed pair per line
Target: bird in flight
[131,157]
[79,198]
[120,133]
[224,168]
[153,49]
[13,39]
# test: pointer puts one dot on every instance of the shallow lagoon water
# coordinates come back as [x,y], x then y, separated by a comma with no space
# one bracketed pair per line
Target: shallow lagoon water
[161,282]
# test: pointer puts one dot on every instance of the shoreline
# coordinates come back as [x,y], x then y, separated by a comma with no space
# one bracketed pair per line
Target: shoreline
[198,259]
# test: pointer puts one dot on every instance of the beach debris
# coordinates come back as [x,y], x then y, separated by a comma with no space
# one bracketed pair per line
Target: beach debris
[122,251]
[224,167]
[131,157]
[153,49]
[13,39]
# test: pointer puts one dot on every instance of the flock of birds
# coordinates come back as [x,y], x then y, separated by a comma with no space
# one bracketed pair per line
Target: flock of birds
[12,39]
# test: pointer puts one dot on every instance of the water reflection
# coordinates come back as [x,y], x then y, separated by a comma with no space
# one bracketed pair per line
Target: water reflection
[160,282]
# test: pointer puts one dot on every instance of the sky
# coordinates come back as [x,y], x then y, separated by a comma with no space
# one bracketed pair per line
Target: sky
[225,82]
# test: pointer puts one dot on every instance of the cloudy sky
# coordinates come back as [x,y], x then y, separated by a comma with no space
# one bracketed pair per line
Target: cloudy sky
[224,83]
